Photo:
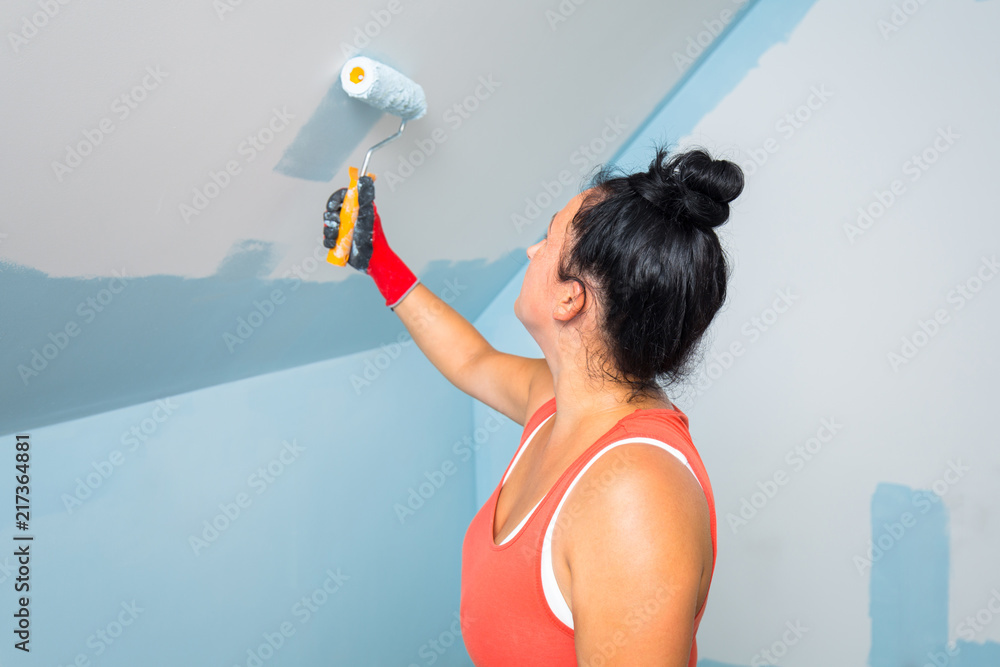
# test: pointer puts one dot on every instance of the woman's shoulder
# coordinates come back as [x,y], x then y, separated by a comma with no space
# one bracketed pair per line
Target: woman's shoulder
[650,446]
[665,471]
[670,423]
[651,503]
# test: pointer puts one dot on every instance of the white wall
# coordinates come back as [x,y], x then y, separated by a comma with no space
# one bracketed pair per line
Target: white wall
[922,417]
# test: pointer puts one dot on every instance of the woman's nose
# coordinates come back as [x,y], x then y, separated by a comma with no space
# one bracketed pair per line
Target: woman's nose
[531,250]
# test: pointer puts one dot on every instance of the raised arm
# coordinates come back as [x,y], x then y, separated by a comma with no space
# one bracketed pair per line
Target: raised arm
[501,381]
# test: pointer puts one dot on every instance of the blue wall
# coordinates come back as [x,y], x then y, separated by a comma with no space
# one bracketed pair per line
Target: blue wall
[118,498]
[501,328]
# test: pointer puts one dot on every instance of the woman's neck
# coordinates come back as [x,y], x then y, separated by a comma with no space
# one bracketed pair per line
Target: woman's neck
[585,406]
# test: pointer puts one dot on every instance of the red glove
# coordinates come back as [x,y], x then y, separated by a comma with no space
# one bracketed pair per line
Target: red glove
[392,277]
[370,252]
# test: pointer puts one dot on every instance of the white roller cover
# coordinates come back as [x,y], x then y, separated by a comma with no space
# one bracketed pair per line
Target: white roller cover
[384,88]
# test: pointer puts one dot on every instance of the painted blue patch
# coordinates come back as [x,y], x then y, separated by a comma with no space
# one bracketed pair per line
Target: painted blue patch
[759,26]
[248,259]
[329,136]
[909,587]
[971,654]
[165,335]
[334,130]
[909,576]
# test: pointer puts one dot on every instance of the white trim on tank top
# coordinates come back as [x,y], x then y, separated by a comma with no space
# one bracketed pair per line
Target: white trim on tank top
[553,596]
[504,480]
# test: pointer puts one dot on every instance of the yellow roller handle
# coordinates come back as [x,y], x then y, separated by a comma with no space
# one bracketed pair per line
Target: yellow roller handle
[341,252]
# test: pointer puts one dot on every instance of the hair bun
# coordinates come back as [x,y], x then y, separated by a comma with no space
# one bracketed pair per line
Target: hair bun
[691,186]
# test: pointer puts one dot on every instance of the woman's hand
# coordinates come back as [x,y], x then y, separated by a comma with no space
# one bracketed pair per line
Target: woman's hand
[370,252]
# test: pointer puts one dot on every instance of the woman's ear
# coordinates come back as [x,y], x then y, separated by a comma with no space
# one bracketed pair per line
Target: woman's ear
[571,301]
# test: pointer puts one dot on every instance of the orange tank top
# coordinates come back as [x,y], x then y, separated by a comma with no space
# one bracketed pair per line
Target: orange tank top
[505,617]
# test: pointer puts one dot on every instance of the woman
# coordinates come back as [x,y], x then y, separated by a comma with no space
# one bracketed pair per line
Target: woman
[598,545]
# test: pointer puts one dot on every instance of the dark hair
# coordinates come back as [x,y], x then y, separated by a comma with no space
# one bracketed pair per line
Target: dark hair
[646,243]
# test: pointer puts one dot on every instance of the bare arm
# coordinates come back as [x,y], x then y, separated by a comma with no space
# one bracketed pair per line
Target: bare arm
[501,381]
[639,586]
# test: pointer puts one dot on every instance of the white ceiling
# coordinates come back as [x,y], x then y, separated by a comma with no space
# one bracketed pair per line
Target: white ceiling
[558,84]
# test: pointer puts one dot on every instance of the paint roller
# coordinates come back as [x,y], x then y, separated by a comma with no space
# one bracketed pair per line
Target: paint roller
[349,213]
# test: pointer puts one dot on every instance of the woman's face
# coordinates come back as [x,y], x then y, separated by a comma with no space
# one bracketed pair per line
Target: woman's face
[541,290]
